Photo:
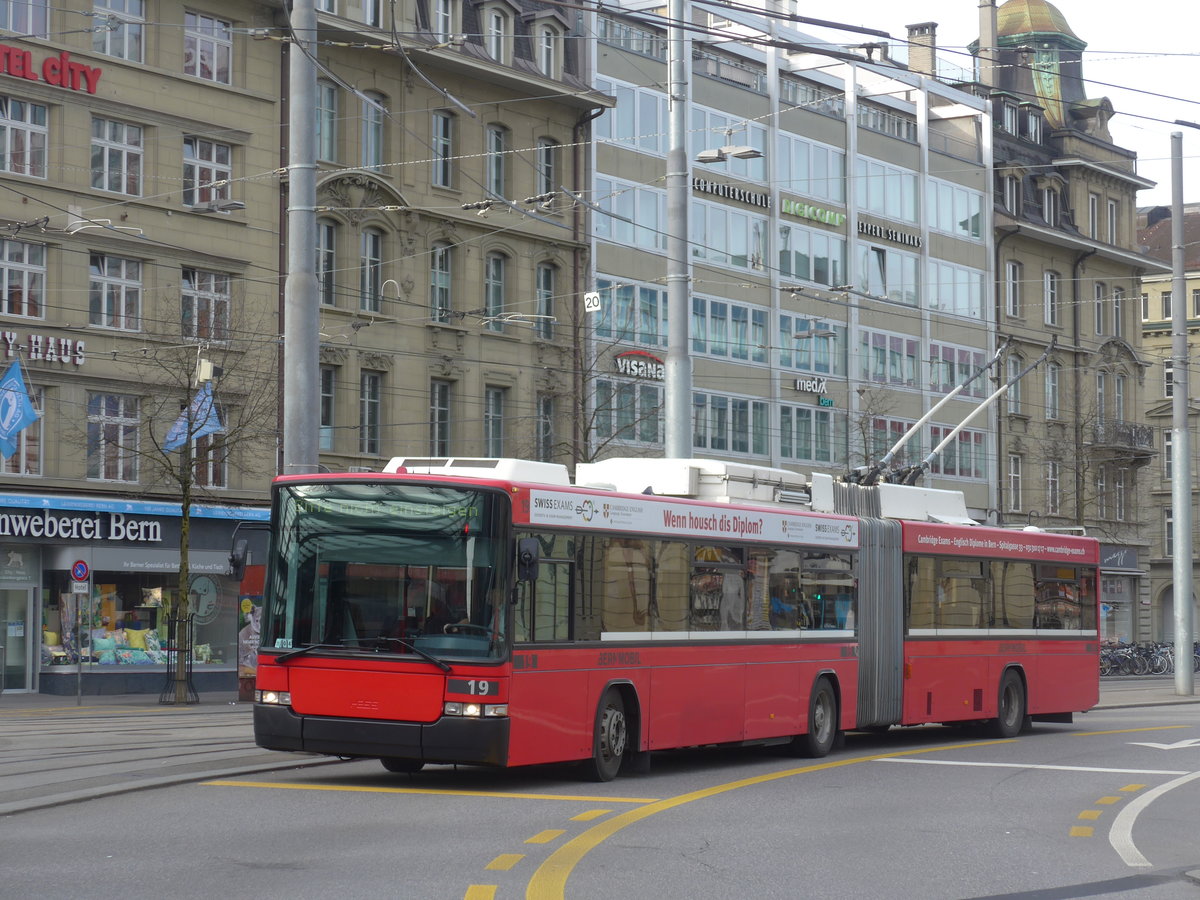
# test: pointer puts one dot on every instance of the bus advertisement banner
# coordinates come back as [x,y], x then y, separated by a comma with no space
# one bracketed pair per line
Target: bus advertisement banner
[966,540]
[688,520]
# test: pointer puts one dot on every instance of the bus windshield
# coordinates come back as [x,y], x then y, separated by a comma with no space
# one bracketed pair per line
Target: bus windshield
[387,568]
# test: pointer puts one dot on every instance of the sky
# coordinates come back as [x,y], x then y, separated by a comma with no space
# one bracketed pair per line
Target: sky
[1146,53]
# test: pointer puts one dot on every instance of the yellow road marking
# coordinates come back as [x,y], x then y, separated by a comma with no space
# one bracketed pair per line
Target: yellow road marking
[545,837]
[1091,814]
[590,814]
[480,892]
[1108,801]
[1133,787]
[1082,831]
[505,861]
[350,788]
[549,882]
[1130,730]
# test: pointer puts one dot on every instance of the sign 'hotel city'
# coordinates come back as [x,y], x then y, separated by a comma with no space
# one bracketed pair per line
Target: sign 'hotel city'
[59,71]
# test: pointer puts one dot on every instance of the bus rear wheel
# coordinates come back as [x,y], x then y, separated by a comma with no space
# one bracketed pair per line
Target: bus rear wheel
[1010,711]
[610,739]
[397,764]
[822,723]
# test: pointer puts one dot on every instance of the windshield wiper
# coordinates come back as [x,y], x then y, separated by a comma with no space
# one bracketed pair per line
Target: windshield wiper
[300,651]
[441,664]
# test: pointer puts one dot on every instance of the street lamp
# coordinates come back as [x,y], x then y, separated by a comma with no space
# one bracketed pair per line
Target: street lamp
[219,206]
[738,151]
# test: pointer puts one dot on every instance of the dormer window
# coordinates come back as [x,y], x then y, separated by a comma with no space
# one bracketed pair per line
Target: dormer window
[1050,205]
[546,49]
[443,15]
[496,34]
[1011,119]
[1033,126]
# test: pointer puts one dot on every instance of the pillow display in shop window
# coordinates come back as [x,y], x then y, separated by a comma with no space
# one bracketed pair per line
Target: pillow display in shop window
[136,637]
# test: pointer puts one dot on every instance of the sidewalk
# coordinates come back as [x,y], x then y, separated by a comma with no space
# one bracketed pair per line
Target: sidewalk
[61,750]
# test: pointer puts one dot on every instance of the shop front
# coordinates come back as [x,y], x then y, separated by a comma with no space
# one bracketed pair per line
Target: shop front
[1120,586]
[87,586]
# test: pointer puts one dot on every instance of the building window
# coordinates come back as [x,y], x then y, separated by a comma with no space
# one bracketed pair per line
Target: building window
[544,328]
[443,19]
[113,425]
[327,116]
[1112,221]
[1119,494]
[1102,492]
[328,385]
[1101,397]
[210,458]
[1012,194]
[1168,533]
[25,17]
[1118,311]
[547,166]
[544,449]
[1015,367]
[493,421]
[1033,127]
[370,270]
[807,434]
[439,418]
[1168,440]
[1014,483]
[1053,498]
[373,12]
[207,170]
[1012,119]
[117,157]
[963,457]
[329,6]
[1168,378]
[1145,307]
[27,457]
[1195,303]
[729,424]
[497,146]
[1167,311]
[1050,206]
[205,305]
[1012,288]
[1118,406]
[1050,293]
[1053,371]
[22,137]
[326,261]
[439,283]
[373,112]
[115,293]
[370,399]
[1094,216]
[547,51]
[495,35]
[124,41]
[629,411]
[493,290]
[22,279]
[207,47]
[1099,289]
[443,149]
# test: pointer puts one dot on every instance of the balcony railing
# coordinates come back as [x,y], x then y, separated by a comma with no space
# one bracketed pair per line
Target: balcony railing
[1123,435]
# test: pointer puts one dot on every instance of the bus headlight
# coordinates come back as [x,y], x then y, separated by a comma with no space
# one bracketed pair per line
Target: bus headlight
[273,698]
[475,710]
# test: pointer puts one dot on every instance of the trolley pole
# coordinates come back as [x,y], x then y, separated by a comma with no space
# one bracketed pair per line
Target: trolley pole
[678,400]
[1181,453]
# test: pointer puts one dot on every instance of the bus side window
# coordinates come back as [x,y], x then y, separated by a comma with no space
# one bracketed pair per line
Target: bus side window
[626,586]
[671,592]
[921,593]
[1013,583]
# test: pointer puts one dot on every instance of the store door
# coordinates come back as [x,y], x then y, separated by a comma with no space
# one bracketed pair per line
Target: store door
[16,662]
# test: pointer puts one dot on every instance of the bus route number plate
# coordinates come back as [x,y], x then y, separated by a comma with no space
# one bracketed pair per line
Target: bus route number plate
[475,687]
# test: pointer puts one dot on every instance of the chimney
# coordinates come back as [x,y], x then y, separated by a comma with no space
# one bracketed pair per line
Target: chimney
[989,53]
[922,47]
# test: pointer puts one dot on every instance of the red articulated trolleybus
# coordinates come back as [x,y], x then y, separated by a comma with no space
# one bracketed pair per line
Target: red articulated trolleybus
[489,611]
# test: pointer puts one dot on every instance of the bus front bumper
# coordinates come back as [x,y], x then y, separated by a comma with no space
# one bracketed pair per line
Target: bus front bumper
[451,739]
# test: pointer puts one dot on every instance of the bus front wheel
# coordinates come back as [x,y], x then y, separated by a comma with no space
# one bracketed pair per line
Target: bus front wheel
[1010,711]
[610,739]
[396,764]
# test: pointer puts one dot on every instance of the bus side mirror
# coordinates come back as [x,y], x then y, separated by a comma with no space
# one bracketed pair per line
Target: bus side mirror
[527,559]
[237,560]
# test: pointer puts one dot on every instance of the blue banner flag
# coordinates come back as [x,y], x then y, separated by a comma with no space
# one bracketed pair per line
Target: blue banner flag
[16,410]
[201,416]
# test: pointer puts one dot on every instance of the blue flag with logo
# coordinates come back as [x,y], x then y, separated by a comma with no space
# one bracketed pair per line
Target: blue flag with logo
[199,420]
[16,410]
